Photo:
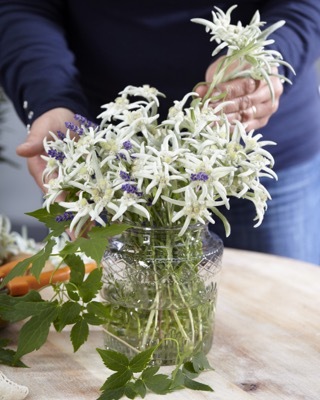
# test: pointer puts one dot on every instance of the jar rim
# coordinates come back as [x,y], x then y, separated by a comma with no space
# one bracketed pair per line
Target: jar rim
[177,228]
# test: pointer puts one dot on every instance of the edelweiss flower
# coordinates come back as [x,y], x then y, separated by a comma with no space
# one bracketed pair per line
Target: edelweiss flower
[135,168]
[194,208]
[250,42]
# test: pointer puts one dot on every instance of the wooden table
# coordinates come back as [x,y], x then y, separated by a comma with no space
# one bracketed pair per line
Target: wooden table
[266,347]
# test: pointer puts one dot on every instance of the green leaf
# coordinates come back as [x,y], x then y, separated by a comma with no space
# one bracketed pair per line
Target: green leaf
[114,394]
[68,314]
[7,357]
[79,334]
[72,291]
[114,360]
[117,380]
[99,236]
[178,380]
[34,333]
[189,370]
[200,362]
[97,308]
[140,388]
[139,362]
[49,218]
[77,271]
[11,310]
[150,372]
[129,390]
[159,384]
[92,319]
[95,252]
[194,385]
[91,286]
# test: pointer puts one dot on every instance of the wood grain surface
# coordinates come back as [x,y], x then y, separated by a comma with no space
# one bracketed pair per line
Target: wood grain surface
[266,346]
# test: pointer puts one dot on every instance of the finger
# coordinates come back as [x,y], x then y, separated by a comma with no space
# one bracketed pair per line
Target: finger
[36,165]
[255,116]
[31,147]
[237,88]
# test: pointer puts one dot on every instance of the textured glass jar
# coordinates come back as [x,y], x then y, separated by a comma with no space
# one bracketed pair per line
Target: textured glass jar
[159,285]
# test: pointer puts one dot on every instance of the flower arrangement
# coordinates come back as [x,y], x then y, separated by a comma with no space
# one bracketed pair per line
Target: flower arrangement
[134,169]
[137,169]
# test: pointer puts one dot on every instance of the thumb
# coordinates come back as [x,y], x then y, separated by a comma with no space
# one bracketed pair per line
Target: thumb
[52,120]
[31,147]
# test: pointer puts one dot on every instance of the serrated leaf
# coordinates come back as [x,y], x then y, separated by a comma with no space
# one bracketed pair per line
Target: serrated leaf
[77,270]
[49,218]
[194,385]
[117,380]
[91,286]
[41,258]
[114,360]
[68,314]
[129,390]
[200,362]
[188,370]
[100,236]
[99,232]
[72,292]
[92,319]
[95,252]
[149,372]
[7,357]
[114,394]
[9,303]
[97,308]
[159,384]
[178,380]
[34,332]
[139,362]
[140,388]
[79,334]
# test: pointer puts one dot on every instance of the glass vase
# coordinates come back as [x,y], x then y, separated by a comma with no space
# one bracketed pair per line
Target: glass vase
[161,288]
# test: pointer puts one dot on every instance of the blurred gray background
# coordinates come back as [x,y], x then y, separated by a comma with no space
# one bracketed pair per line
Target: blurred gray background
[18,192]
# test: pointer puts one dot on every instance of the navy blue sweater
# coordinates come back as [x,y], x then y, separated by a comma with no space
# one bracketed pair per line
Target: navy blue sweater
[79,54]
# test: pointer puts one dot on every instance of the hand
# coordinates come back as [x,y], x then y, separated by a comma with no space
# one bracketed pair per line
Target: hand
[252,103]
[32,148]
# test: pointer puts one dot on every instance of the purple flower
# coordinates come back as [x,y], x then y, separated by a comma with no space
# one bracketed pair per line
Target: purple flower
[127,187]
[61,135]
[66,216]
[125,176]
[84,121]
[200,176]
[74,128]
[58,155]
[127,145]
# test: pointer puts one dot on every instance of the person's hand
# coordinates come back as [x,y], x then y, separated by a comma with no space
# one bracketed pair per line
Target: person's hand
[252,102]
[32,148]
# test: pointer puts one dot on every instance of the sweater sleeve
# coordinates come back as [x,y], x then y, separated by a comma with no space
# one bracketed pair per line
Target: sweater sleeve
[37,69]
[299,39]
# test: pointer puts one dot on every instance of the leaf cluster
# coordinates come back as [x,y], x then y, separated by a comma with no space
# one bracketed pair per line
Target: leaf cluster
[73,302]
[138,376]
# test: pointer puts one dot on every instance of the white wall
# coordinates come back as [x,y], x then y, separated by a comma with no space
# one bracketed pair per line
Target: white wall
[18,192]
